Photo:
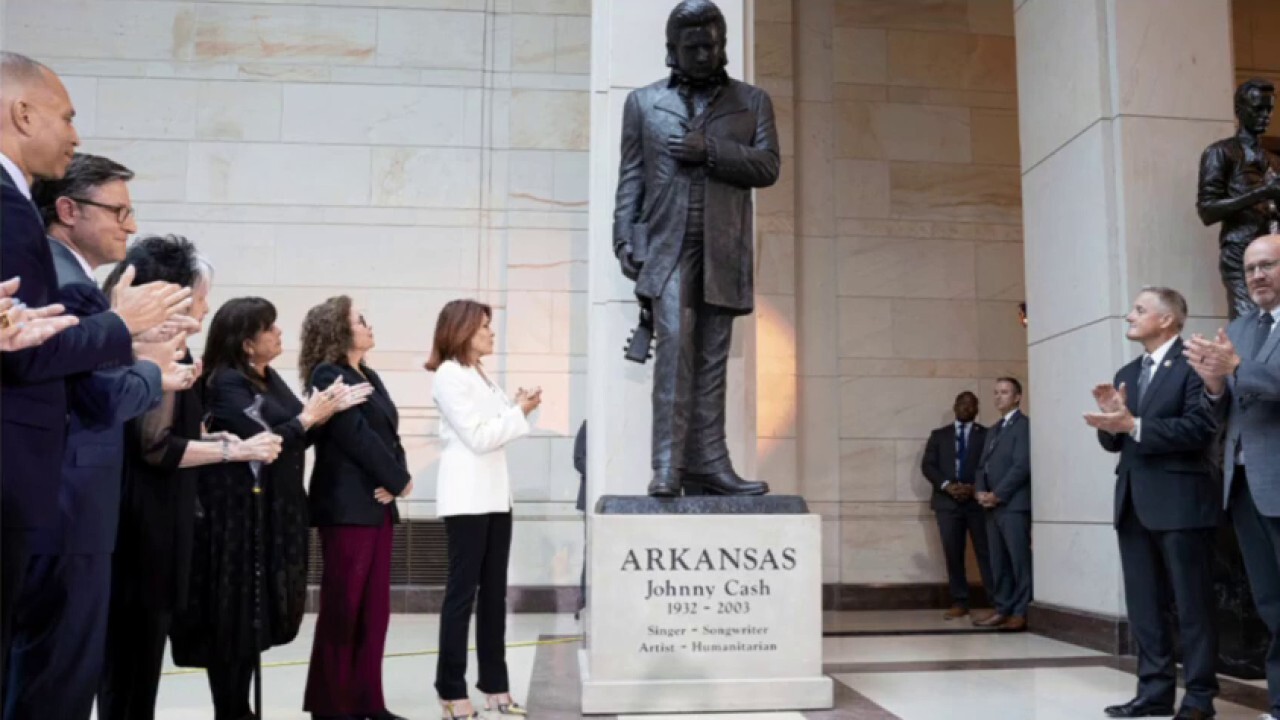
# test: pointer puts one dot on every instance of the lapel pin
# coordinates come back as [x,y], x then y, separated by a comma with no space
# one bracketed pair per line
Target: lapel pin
[1168,363]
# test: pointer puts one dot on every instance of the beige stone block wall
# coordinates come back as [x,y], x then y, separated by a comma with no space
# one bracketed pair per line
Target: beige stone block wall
[907,252]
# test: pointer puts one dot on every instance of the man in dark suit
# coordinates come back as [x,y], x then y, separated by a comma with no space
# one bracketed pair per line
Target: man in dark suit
[1241,373]
[59,625]
[694,145]
[37,140]
[1166,510]
[950,460]
[1004,489]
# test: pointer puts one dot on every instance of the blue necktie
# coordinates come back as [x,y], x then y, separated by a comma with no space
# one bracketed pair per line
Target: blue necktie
[961,447]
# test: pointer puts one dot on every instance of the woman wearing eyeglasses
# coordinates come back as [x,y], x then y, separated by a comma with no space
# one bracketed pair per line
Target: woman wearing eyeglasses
[473,495]
[360,469]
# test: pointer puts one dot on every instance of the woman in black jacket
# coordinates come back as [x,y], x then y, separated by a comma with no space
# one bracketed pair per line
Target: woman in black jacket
[249,566]
[360,467]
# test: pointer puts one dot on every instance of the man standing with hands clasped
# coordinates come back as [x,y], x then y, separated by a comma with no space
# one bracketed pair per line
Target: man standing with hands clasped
[1241,373]
[950,459]
[1004,489]
[1166,508]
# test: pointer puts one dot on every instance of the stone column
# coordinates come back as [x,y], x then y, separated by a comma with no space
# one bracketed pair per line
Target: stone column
[1116,102]
[628,50]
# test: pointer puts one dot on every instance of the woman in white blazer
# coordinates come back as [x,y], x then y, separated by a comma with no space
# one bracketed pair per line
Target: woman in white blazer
[473,495]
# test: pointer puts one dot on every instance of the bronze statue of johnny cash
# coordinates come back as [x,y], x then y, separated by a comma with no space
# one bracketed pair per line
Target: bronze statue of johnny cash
[694,146]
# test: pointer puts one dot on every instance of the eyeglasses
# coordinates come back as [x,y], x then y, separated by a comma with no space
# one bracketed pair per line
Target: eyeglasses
[123,212]
[1266,267]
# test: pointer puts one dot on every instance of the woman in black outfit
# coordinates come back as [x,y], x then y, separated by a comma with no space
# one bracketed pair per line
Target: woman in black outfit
[249,566]
[164,452]
[360,468]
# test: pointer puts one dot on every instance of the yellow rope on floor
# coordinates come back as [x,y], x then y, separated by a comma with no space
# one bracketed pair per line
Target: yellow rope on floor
[418,653]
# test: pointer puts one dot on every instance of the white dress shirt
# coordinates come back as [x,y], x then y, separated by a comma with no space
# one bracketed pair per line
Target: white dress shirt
[1157,357]
[477,420]
[19,179]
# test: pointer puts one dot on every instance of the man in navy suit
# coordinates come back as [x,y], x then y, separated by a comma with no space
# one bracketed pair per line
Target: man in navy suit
[949,463]
[59,625]
[1166,508]
[37,140]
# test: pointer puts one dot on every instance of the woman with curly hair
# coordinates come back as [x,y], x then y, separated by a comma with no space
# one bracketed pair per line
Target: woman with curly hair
[360,468]
[249,565]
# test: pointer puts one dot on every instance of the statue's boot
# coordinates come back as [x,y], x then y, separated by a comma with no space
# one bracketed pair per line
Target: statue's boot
[725,482]
[665,483]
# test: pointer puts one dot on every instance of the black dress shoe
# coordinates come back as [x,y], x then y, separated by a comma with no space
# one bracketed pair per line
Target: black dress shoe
[665,483]
[1190,713]
[725,482]
[1138,708]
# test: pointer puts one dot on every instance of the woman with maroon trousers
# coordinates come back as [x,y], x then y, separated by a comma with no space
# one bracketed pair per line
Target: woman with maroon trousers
[360,469]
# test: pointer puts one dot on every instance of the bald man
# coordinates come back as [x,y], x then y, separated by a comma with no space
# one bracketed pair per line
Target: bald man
[37,141]
[1241,372]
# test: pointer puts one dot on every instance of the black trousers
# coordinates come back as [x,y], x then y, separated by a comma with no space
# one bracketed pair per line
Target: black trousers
[59,637]
[691,362]
[479,547]
[136,638]
[13,571]
[1009,535]
[231,683]
[954,525]
[1155,562]
[1260,546]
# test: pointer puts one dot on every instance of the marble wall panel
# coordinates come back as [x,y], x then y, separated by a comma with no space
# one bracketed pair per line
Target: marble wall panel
[952,60]
[903,14]
[278,174]
[955,192]
[895,550]
[1069,48]
[936,330]
[1077,566]
[891,131]
[897,408]
[906,268]
[426,177]
[221,111]
[285,34]
[382,115]
[868,470]
[121,30]
[548,120]
[1171,64]
[865,327]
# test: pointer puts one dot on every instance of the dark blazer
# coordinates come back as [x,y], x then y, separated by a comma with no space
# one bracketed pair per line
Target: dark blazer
[357,452]
[100,403]
[939,463]
[158,509]
[1168,473]
[33,394]
[653,187]
[1005,466]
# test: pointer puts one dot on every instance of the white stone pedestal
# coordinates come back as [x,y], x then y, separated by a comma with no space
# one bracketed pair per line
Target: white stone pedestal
[704,613]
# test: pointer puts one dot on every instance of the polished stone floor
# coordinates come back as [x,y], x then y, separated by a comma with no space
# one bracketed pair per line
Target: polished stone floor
[887,666]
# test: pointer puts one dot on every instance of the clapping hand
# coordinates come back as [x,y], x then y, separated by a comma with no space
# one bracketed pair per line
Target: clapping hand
[1213,360]
[22,327]
[529,400]
[1113,416]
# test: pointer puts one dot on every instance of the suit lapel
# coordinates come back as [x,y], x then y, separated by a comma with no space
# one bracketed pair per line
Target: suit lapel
[1163,370]
[381,400]
[949,446]
[670,101]
[729,103]
[992,442]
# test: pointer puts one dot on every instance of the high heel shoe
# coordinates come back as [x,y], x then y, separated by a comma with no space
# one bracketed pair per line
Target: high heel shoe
[511,708]
[447,706]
